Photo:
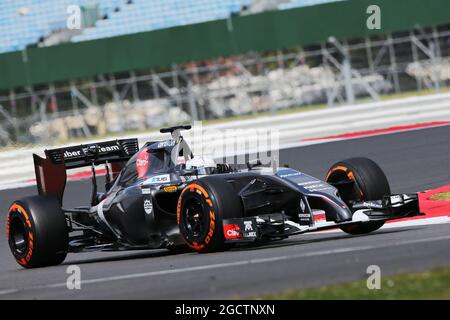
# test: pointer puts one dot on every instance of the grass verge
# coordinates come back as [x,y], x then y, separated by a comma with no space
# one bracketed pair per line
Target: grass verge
[434,284]
[443,196]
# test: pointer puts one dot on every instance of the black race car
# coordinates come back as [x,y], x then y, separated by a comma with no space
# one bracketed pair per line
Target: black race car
[161,196]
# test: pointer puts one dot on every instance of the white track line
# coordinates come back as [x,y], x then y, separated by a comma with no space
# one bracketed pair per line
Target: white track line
[227,265]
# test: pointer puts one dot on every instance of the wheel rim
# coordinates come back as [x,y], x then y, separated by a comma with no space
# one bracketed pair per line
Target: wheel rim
[195,218]
[18,236]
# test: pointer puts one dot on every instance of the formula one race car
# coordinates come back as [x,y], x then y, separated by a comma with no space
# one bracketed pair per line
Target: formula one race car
[161,196]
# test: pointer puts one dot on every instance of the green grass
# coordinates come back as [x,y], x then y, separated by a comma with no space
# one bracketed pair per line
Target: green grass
[407,94]
[443,196]
[433,284]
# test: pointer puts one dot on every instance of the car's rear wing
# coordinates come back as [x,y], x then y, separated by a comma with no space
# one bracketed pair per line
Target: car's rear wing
[97,153]
[51,173]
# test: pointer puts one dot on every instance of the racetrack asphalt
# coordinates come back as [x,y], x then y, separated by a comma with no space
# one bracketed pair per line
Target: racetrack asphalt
[413,161]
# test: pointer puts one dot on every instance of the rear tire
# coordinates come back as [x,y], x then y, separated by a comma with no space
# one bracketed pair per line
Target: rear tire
[37,232]
[202,206]
[370,184]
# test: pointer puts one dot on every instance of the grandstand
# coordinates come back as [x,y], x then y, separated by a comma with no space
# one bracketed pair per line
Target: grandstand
[29,22]
[148,15]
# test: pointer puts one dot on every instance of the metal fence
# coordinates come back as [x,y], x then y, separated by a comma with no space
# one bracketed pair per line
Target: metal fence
[333,73]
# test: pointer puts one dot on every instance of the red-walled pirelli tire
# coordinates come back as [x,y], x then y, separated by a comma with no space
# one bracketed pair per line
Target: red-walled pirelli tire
[202,206]
[37,232]
[371,184]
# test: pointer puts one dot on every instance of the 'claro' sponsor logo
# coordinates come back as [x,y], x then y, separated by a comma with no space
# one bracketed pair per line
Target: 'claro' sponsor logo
[232,231]
[79,153]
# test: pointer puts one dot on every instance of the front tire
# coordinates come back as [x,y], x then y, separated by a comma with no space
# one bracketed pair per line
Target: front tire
[370,183]
[37,232]
[202,206]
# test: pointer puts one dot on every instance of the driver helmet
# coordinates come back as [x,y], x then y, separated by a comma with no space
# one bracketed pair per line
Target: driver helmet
[204,165]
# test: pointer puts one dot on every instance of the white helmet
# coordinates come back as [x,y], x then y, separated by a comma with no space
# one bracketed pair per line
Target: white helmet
[202,164]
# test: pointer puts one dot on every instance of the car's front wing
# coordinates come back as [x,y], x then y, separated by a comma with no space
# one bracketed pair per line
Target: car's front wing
[277,225]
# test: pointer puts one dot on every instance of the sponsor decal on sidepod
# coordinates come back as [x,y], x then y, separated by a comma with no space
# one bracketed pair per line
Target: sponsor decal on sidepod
[232,231]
